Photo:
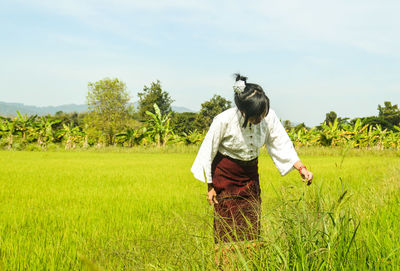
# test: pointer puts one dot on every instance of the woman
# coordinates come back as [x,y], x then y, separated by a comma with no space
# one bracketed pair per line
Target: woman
[228,161]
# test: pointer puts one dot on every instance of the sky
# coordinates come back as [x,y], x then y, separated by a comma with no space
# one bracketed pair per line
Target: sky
[310,56]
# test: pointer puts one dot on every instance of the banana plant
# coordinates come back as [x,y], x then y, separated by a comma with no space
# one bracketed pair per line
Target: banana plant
[158,126]
[3,126]
[45,132]
[396,137]
[71,135]
[132,136]
[194,137]
[330,134]
[377,136]
[392,139]
[8,129]
[356,134]
[24,125]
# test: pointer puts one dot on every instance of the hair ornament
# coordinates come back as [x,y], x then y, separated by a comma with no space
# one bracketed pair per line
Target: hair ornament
[239,86]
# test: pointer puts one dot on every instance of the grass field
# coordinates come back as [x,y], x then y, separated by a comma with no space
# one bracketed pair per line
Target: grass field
[143,210]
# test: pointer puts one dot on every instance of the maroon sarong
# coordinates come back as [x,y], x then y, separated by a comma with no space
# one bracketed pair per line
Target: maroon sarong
[237,215]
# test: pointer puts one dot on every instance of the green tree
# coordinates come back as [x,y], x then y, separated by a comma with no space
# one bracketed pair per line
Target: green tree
[108,107]
[153,95]
[183,122]
[300,126]
[330,117]
[390,113]
[374,121]
[287,124]
[330,120]
[73,118]
[388,117]
[209,110]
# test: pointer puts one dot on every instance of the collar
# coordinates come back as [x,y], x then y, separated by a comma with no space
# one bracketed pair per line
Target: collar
[241,120]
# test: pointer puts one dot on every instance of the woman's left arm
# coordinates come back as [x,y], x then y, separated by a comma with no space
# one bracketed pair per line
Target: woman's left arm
[281,149]
[304,172]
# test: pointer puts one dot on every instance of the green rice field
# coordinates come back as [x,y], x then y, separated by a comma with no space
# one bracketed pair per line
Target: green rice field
[143,210]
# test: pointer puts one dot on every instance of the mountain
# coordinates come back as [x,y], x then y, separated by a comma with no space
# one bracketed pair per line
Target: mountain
[10,109]
[181,109]
[178,109]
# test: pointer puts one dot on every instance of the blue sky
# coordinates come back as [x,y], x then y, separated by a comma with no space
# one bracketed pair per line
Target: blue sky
[310,57]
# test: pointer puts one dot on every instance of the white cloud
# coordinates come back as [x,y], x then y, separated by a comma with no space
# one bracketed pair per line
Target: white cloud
[291,27]
[366,25]
[370,26]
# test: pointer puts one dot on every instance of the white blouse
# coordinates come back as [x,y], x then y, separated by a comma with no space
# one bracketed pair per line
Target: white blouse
[227,136]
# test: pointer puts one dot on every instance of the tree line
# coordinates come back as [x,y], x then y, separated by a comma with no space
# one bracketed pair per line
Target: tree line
[112,120]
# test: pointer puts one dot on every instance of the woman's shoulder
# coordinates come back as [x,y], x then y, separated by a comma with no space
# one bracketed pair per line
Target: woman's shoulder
[271,118]
[227,115]
[271,114]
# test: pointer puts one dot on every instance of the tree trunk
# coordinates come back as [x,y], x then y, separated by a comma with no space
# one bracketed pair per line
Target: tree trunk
[10,141]
[85,142]
[40,142]
[68,144]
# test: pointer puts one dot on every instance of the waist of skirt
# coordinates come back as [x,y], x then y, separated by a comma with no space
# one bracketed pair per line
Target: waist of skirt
[249,163]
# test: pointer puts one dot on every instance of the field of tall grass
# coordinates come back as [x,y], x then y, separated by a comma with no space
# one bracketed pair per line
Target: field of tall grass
[143,210]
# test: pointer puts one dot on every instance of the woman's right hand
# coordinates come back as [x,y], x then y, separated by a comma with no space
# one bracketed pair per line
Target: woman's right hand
[212,195]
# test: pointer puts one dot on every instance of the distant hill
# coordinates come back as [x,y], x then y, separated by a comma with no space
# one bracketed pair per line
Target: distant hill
[181,109]
[178,109]
[10,109]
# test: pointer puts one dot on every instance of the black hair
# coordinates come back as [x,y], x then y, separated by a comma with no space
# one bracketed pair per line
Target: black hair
[252,101]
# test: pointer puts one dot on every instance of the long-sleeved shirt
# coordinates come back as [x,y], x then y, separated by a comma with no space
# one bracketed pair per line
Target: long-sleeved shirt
[227,136]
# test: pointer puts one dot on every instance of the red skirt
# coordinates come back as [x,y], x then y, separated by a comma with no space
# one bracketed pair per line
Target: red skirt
[237,214]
